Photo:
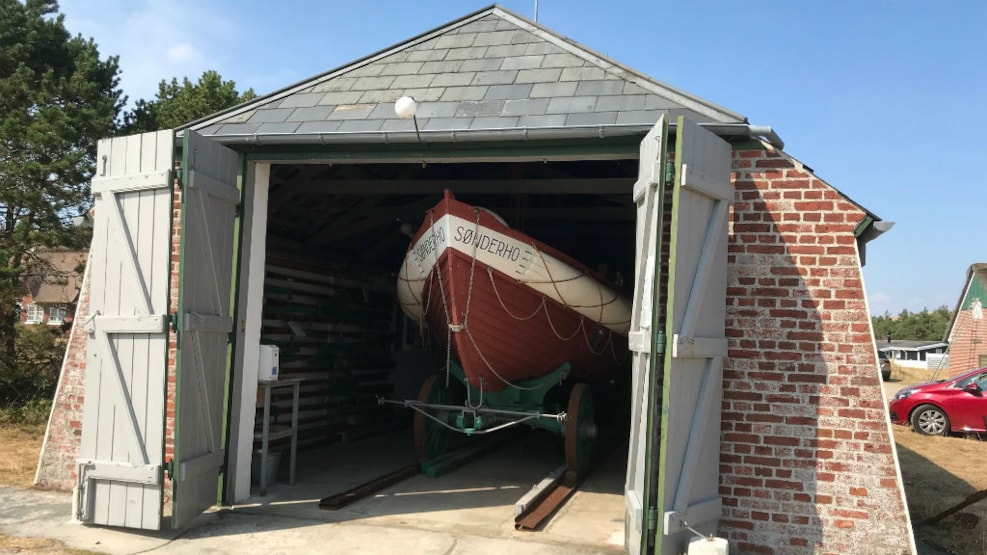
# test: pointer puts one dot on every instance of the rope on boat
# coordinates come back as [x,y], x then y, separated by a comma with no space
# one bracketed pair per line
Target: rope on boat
[463,327]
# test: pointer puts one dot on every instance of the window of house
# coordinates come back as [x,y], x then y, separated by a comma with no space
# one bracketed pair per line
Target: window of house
[35,314]
[56,315]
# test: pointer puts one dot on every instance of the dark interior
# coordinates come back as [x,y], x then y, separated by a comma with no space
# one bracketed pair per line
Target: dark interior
[337,235]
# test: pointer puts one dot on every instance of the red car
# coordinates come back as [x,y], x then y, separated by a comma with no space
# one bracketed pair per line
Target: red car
[955,405]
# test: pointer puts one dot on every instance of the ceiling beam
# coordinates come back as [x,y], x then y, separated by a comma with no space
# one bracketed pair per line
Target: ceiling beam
[466,186]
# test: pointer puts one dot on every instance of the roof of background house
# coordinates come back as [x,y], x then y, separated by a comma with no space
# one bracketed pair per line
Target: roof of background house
[490,71]
[906,345]
[61,280]
[974,286]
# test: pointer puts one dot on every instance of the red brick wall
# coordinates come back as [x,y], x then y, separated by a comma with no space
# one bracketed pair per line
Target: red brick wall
[968,342]
[807,462]
[56,465]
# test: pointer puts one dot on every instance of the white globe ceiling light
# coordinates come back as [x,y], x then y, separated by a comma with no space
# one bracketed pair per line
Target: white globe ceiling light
[405,107]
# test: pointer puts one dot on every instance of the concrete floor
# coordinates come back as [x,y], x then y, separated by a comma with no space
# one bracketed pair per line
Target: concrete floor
[477,498]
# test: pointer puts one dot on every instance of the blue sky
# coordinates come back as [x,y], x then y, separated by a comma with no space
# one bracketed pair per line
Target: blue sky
[885,100]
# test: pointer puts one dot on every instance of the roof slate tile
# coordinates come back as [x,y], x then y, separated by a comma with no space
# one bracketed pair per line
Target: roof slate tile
[500,92]
[488,70]
[319,127]
[239,129]
[553,89]
[464,93]
[538,75]
[341,97]
[524,37]
[277,128]
[483,64]
[571,105]
[442,124]
[525,107]
[372,83]
[523,62]
[506,50]
[402,68]
[420,55]
[301,100]
[416,81]
[466,53]
[480,108]
[461,40]
[582,74]
[460,79]
[610,86]
[594,118]
[352,111]
[360,125]
[563,60]
[337,84]
[443,66]
[493,123]
[556,120]
[311,113]
[499,77]
[267,116]
[373,97]
[494,38]
[621,103]
[438,110]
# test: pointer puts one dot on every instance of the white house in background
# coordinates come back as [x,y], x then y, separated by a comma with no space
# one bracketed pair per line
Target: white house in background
[928,355]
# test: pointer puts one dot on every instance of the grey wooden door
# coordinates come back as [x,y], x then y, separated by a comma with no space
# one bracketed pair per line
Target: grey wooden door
[648,197]
[678,339]
[688,477]
[119,473]
[209,204]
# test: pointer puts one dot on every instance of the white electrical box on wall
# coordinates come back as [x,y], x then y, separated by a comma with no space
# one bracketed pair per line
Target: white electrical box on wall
[268,368]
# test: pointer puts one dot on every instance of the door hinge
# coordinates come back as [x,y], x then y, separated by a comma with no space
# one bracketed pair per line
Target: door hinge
[669,172]
[173,321]
[652,521]
[238,210]
[169,468]
[659,347]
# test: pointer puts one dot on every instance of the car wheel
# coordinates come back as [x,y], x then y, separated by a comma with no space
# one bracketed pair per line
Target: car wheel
[930,420]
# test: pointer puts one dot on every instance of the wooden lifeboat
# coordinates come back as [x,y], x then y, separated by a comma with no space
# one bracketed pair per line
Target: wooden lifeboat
[507,307]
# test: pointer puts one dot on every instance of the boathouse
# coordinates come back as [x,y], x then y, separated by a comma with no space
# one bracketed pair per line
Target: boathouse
[755,408]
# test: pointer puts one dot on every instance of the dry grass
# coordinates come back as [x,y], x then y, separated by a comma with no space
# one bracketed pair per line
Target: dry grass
[20,447]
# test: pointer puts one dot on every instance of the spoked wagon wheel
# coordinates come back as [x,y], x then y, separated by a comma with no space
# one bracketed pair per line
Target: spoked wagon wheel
[580,432]
[431,438]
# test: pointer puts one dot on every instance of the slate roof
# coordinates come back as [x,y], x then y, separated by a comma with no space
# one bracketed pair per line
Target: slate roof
[491,71]
[61,281]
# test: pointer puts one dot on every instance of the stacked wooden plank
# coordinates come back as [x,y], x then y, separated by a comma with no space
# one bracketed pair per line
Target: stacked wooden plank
[335,329]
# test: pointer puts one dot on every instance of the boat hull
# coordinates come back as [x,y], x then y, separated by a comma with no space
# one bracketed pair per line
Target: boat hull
[507,307]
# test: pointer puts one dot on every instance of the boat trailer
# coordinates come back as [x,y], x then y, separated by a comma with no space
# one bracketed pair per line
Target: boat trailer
[448,411]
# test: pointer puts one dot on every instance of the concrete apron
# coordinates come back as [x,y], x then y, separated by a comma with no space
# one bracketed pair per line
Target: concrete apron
[470,510]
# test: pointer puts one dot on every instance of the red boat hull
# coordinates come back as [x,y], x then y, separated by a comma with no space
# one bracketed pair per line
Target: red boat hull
[508,332]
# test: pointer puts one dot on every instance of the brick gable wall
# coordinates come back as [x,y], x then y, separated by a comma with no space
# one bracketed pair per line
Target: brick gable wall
[57,463]
[968,343]
[807,461]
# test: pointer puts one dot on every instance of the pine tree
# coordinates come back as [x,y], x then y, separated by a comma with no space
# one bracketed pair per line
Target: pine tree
[57,99]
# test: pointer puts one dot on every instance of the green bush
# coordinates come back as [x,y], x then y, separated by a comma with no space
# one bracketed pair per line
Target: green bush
[29,377]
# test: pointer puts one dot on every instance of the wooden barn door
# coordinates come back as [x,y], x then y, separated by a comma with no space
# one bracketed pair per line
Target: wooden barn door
[689,469]
[119,473]
[673,466]
[209,210]
[645,337]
